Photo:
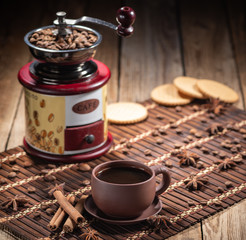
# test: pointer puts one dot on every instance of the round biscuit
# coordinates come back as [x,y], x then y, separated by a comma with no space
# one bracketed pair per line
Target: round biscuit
[169,95]
[126,113]
[187,86]
[215,89]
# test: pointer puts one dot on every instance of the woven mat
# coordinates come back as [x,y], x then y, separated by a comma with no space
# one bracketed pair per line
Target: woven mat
[207,200]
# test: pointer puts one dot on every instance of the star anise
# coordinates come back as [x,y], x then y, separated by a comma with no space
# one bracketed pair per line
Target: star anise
[215,129]
[215,106]
[159,222]
[195,182]
[15,202]
[226,164]
[187,159]
[90,234]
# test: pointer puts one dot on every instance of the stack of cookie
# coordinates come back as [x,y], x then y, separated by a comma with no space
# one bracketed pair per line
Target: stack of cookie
[185,89]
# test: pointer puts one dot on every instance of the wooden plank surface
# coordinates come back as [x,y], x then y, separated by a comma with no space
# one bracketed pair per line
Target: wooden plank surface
[209,47]
[227,225]
[206,43]
[151,56]
[237,22]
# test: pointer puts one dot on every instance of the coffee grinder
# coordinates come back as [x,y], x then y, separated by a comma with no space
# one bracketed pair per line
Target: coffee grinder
[66,94]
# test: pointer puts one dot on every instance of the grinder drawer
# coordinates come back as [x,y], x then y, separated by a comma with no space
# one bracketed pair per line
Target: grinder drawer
[87,136]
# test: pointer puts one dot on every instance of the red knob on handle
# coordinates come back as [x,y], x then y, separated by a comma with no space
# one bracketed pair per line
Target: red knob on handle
[125,17]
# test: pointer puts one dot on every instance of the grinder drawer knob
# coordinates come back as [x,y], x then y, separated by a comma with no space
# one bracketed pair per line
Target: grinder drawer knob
[90,138]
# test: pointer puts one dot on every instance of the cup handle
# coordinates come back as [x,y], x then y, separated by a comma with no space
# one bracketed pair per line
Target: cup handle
[166,179]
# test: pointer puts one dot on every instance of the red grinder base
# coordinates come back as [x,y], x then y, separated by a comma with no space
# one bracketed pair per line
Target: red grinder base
[70,158]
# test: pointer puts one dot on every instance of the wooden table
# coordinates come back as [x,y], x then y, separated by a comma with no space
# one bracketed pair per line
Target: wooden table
[203,39]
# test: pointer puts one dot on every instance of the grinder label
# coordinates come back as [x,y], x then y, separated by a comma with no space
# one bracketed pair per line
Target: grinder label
[86,106]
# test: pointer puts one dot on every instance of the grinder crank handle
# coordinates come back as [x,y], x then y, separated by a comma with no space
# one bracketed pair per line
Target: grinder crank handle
[125,17]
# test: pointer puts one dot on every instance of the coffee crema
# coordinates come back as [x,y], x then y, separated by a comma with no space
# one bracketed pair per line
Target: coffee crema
[123,175]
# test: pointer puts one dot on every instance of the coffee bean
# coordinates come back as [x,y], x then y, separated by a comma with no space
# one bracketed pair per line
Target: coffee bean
[50,134]
[178,109]
[31,189]
[195,108]
[198,135]
[235,128]
[204,120]
[84,167]
[125,151]
[128,145]
[1,165]
[228,184]
[177,145]
[242,130]
[51,166]
[191,203]
[36,214]
[186,140]
[147,152]
[37,123]
[123,140]
[234,150]
[222,155]
[35,114]
[49,211]
[44,171]
[2,181]
[218,203]
[162,131]
[168,163]
[215,153]
[172,121]
[59,129]
[42,103]
[44,207]
[51,117]
[211,116]
[238,160]
[160,117]
[243,154]
[27,163]
[179,131]
[199,165]
[60,150]
[155,133]
[236,141]
[15,169]
[244,136]
[198,145]
[173,125]
[220,189]
[12,175]
[193,131]
[49,178]
[203,202]
[43,133]
[190,138]
[86,182]
[205,150]
[159,141]
[56,141]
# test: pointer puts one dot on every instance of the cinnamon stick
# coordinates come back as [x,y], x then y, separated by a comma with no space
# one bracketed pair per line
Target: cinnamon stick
[59,215]
[67,207]
[69,225]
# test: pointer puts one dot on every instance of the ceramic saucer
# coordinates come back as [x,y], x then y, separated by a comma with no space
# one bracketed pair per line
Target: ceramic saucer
[91,208]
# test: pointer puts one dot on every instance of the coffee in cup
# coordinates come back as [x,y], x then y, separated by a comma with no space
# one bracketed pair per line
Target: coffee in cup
[124,189]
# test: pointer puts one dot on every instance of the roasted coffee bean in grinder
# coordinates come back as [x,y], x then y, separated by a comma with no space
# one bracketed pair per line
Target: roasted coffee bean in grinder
[66,89]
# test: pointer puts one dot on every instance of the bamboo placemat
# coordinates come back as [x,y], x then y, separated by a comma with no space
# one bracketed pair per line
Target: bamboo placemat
[172,125]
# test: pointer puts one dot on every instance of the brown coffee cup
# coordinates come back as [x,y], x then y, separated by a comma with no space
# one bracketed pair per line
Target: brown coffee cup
[127,200]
